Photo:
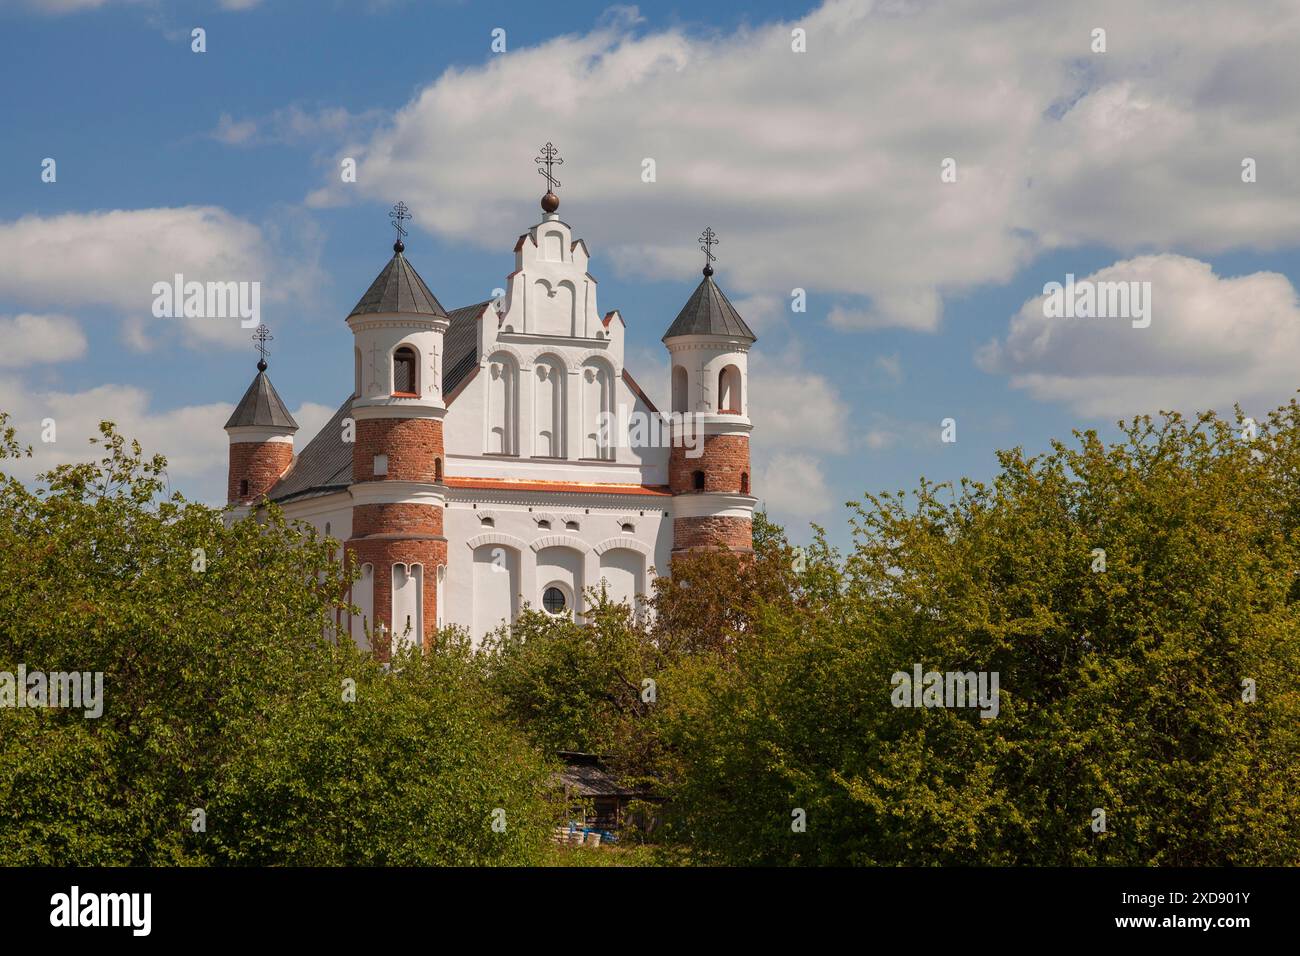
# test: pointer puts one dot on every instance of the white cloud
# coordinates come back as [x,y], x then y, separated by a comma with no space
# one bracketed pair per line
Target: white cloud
[770,156]
[1212,341]
[135,333]
[232,132]
[763,313]
[793,486]
[649,368]
[822,170]
[311,417]
[796,408]
[916,309]
[65,6]
[76,6]
[881,431]
[191,437]
[799,418]
[880,437]
[112,260]
[293,124]
[890,368]
[29,339]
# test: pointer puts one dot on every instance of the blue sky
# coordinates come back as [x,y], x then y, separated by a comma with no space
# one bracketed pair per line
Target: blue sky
[819,169]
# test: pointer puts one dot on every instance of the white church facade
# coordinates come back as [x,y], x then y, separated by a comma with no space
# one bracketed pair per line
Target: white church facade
[502,454]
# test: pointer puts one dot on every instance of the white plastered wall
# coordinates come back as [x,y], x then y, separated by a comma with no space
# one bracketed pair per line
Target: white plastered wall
[528,556]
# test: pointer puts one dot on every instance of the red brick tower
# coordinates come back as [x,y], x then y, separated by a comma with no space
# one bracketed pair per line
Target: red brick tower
[708,469]
[397,457]
[261,440]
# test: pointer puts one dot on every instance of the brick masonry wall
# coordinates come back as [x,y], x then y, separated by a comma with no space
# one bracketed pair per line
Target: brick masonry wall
[260,463]
[725,458]
[396,519]
[411,444]
[383,554]
[736,534]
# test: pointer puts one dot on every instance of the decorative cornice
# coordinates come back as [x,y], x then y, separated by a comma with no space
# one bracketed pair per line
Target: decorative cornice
[560,541]
[499,347]
[712,343]
[248,434]
[546,351]
[386,492]
[590,354]
[363,409]
[602,502]
[631,544]
[496,537]
[398,321]
[713,504]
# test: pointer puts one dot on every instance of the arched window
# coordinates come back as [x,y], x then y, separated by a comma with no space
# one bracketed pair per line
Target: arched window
[437,470]
[729,390]
[627,527]
[697,480]
[502,405]
[680,395]
[487,522]
[548,408]
[243,488]
[597,411]
[404,382]
[744,482]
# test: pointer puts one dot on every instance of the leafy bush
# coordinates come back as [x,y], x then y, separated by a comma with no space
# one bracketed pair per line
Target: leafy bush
[574,686]
[414,771]
[221,688]
[1121,690]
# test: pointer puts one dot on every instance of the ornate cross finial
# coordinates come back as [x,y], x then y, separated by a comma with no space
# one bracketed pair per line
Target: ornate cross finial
[550,157]
[400,211]
[709,239]
[261,337]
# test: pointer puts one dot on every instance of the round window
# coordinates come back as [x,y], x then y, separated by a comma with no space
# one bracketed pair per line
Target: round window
[553,600]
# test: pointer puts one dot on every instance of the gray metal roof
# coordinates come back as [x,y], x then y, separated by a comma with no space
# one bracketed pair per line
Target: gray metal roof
[261,405]
[398,288]
[460,345]
[708,312]
[324,466]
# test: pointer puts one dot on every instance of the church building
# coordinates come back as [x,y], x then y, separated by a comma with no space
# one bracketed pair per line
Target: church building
[495,455]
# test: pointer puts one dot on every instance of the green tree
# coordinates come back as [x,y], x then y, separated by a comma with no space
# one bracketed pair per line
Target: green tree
[1120,690]
[219,676]
[384,765]
[575,685]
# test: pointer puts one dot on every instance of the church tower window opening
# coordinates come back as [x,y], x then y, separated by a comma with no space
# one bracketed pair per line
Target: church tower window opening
[404,382]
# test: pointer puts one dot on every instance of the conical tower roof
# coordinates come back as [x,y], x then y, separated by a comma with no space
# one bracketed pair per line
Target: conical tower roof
[398,288]
[261,405]
[709,312]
